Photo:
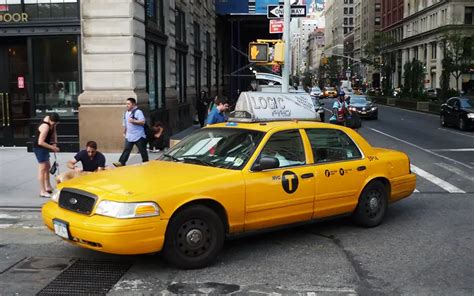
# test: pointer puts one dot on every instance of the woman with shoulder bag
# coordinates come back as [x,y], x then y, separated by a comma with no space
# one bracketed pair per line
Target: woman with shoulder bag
[45,141]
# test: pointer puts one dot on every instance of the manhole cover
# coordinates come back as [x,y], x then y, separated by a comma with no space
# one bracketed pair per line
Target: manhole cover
[87,277]
[43,263]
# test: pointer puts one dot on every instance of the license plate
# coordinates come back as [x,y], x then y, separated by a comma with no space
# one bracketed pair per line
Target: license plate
[363,112]
[61,229]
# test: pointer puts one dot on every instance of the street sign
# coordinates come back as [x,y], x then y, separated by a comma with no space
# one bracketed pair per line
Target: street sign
[276,11]
[276,26]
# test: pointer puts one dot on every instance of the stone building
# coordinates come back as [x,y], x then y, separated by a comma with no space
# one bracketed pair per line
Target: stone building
[83,59]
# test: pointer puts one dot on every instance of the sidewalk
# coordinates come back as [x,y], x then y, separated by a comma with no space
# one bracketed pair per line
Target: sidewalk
[19,172]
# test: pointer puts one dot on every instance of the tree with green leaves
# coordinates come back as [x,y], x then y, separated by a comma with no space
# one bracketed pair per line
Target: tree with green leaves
[414,75]
[458,54]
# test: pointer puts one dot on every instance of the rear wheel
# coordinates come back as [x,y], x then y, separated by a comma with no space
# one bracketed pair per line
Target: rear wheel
[194,237]
[462,124]
[442,120]
[372,205]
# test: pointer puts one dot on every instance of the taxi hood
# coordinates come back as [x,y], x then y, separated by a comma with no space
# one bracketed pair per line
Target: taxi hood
[142,180]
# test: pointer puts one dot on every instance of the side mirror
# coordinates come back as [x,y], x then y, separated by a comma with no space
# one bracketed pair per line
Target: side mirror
[266,163]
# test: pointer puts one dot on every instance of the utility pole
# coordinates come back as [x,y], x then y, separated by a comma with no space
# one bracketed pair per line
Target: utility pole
[286,38]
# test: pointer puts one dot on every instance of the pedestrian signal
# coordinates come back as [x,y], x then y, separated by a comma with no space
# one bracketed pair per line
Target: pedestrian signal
[258,52]
[279,55]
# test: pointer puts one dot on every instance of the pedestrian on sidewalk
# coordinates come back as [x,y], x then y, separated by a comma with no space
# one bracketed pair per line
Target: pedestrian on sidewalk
[45,141]
[91,160]
[160,138]
[134,132]
[218,114]
[201,108]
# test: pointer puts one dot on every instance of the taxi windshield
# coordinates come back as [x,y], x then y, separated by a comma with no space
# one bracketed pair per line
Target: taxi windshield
[228,148]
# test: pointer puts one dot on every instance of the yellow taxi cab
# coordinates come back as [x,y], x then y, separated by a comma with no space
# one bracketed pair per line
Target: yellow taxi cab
[329,92]
[258,171]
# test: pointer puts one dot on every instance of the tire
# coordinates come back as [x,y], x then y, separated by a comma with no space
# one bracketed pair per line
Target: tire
[206,227]
[442,120]
[462,124]
[372,205]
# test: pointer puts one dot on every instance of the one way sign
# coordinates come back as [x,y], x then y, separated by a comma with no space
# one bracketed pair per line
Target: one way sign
[276,11]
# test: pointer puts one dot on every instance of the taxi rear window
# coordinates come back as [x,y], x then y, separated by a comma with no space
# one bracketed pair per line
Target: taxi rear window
[330,145]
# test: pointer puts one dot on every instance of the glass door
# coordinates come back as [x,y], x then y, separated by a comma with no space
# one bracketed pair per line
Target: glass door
[15,101]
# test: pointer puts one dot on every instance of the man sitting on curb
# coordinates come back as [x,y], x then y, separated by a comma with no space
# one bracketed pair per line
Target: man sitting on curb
[91,160]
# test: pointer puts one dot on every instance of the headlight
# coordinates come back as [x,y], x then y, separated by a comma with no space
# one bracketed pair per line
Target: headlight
[55,195]
[470,115]
[374,108]
[125,210]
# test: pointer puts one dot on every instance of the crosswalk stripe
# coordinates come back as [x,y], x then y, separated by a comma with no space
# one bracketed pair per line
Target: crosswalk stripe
[455,170]
[437,181]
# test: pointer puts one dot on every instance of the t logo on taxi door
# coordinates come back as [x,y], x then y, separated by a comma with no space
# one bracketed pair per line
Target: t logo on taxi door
[289,181]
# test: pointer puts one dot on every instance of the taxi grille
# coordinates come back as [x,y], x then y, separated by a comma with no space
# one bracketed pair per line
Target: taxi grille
[77,200]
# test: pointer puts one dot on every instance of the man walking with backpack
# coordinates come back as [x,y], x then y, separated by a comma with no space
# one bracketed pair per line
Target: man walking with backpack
[134,132]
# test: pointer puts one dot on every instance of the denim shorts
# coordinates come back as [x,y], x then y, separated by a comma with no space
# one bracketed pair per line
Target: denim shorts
[42,154]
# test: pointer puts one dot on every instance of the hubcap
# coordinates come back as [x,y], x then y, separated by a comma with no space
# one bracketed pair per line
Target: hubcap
[194,237]
[374,203]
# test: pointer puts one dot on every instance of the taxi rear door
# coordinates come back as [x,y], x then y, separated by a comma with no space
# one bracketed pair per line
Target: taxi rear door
[340,169]
[282,195]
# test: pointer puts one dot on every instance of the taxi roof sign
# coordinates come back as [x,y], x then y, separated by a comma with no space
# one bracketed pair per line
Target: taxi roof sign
[263,106]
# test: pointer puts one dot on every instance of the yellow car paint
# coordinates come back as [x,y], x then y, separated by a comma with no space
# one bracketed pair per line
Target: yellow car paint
[247,200]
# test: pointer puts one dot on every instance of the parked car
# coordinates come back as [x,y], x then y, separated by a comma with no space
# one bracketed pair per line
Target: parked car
[329,92]
[319,107]
[228,179]
[363,107]
[315,92]
[431,93]
[458,111]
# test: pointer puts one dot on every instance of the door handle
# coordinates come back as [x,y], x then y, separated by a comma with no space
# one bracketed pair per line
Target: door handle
[8,109]
[361,168]
[307,175]
[3,109]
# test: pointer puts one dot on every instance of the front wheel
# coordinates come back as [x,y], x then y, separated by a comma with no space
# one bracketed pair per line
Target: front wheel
[194,237]
[442,120]
[372,205]
[462,124]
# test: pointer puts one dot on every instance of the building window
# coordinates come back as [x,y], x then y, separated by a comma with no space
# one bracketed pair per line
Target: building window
[56,77]
[377,21]
[208,62]
[351,10]
[181,76]
[154,13]
[155,81]
[377,6]
[346,10]
[469,16]
[43,9]
[197,37]
[180,26]
[197,58]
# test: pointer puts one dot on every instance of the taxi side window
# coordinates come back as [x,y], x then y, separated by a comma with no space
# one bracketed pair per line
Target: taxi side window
[332,145]
[287,147]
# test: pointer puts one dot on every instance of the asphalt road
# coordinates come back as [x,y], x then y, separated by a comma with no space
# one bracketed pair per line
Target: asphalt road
[425,245]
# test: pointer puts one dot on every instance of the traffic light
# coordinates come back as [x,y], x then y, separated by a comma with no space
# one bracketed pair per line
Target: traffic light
[279,52]
[258,52]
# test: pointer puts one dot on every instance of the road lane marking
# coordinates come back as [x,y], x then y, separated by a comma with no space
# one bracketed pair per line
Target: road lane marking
[423,149]
[455,170]
[454,132]
[435,180]
[454,150]
[6,216]
[4,226]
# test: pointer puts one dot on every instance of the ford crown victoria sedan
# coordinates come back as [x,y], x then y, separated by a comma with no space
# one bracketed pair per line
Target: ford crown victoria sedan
[228,179]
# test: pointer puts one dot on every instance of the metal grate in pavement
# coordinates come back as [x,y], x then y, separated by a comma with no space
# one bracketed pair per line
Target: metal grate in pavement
[87,277]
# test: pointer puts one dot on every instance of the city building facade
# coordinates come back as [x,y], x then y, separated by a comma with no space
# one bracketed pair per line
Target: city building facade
[392,28]
[83,59]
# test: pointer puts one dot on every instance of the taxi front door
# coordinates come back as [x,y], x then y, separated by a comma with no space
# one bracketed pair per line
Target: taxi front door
[340,171]
[283,195]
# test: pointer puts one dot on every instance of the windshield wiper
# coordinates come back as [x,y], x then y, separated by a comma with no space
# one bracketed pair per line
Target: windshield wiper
[196,160]
[171,156]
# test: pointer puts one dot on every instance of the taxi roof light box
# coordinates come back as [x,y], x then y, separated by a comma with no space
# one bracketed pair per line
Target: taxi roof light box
[264,106]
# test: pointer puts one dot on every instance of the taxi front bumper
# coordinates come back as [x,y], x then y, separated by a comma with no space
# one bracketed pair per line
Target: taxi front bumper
[106,234]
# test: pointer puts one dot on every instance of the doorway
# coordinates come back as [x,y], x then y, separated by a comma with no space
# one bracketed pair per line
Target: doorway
[15,99]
